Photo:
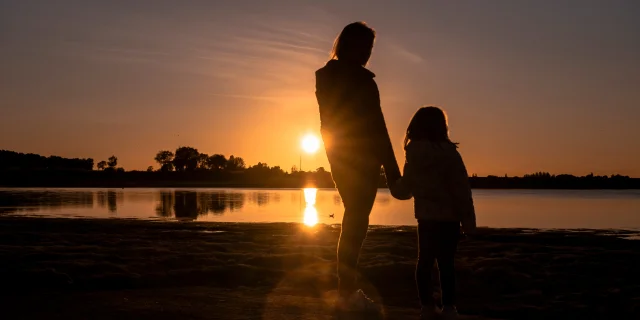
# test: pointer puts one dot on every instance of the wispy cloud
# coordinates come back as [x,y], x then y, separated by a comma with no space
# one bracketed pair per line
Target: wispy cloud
[243,96]
[404,53]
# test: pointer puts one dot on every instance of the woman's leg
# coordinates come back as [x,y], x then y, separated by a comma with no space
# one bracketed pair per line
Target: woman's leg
[358,188]
[426,259]
[449,235]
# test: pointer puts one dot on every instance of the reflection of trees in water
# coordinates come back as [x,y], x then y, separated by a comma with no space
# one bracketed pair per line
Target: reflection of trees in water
[276,197]
[260,198]
[109,199]
[165,206]
[112,201]
[14,201]
[236,201]
[186,204]
[220,202]
[102,199]
[229,201]
[191,204]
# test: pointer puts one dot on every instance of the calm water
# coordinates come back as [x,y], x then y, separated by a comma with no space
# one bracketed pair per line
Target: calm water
[495,208]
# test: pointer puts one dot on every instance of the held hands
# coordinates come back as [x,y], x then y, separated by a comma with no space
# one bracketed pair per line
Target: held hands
[399,190]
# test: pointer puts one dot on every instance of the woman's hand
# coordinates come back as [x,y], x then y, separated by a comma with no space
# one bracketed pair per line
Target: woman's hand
[399,190]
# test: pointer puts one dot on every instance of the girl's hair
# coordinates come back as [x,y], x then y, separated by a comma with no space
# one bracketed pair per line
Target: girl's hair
[354,43]
[428,123]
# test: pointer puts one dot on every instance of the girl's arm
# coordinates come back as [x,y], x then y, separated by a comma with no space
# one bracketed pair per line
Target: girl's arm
[462,195]
[401,188]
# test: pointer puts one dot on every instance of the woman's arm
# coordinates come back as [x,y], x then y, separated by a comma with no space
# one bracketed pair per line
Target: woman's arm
[380,134]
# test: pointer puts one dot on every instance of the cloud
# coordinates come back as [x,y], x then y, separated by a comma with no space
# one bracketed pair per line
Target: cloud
[405,54]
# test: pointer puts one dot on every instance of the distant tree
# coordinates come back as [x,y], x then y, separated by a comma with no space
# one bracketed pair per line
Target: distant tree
[235,163]
[186,158]
[29,161]
[112,162]
[150,169]
[321,170]
[541,175]
[258,169]
[263,171]
[203,161]
[277,170]
[120,169]
[85,164]
[165,159]
[217,162]
[261,165]
[102,165]
[294,168]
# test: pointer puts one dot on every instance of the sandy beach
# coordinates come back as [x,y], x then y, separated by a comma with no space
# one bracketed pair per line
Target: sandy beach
[130,269]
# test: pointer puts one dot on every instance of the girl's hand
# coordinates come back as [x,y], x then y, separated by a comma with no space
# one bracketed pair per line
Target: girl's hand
[399,190]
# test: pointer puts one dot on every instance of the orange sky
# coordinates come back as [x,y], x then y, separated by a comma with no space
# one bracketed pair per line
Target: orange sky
[529,86]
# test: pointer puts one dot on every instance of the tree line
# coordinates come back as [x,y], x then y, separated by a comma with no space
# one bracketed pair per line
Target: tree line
[188,167]
[11,160]
[546,180]
[190,159]
[110,165]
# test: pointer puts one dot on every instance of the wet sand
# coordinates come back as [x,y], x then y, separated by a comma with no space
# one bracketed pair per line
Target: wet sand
[127,269]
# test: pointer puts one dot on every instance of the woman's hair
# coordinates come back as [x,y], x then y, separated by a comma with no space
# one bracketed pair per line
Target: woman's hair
[354,43]
[428,123]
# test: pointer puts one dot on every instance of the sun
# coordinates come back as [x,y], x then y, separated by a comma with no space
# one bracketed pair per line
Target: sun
[310,143]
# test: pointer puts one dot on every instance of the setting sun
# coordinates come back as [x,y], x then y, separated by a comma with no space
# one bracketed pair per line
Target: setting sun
[310,143]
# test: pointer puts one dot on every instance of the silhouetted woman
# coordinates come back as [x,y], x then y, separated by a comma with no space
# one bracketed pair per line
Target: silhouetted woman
[357,145]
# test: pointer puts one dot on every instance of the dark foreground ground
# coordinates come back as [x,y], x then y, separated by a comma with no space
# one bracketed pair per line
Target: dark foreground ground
[120,269]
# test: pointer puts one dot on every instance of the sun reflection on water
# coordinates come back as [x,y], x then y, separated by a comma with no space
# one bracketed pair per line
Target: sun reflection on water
[310,217]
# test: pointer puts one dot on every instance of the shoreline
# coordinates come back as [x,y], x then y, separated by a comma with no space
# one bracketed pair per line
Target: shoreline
[619,232]
[251,178]
[108,268]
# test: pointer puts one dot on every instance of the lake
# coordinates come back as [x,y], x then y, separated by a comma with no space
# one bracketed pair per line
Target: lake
[494,208]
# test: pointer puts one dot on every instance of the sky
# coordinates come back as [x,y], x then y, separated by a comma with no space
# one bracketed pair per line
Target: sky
[528,85]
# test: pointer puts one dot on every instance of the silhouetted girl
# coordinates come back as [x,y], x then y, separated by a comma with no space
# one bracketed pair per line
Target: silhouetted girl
[435,175]
[357,145]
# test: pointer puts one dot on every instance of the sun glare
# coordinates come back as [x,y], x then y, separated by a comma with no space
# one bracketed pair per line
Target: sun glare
[310,217]
[310,143]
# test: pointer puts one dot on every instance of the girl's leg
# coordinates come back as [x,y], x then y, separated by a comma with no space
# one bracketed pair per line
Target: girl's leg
[426,259]
[449,234]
